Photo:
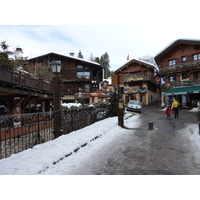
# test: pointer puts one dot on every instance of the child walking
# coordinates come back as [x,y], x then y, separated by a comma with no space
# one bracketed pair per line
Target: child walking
[167,112]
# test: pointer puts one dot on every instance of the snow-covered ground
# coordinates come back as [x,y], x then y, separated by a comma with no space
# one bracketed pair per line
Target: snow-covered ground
[64,154]
[41,159]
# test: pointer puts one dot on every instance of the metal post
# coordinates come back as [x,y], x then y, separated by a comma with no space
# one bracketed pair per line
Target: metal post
[118,86]
[57,106]
[121,113]
[38,121]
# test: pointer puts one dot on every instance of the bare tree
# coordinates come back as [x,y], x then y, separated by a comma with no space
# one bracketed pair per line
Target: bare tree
[149,59]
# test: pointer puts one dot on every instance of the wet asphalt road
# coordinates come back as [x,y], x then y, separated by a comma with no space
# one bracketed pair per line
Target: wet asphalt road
[165,150]
[161,151]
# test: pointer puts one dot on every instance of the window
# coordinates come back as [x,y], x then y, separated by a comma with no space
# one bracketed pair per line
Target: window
[172,62]
[81,67]
[87,87]
[83,75]
[172,78]
[184,58]
[196,56]
[185,76]
[196,75]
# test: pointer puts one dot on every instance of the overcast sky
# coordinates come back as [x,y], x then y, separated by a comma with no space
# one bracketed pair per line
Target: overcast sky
[118,28]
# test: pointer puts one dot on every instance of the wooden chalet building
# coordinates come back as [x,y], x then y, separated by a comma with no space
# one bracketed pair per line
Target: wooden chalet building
[80,78]
[179,67]
[138,80]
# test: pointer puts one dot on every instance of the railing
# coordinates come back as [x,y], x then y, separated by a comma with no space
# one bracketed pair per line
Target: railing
[19,78]
[170,85]
[21,132]
[179,67]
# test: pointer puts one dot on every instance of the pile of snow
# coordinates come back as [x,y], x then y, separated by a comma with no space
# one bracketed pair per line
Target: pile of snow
[194,109]
[69,105]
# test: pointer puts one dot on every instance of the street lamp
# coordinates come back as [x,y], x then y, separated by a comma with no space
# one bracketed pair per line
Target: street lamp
[56,66]
[56,69]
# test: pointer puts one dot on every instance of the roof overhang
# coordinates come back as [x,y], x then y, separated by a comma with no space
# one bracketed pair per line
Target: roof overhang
[71,57]
[174,43]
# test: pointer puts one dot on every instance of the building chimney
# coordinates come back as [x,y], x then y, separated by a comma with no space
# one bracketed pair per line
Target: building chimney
[72,54]
[19,53]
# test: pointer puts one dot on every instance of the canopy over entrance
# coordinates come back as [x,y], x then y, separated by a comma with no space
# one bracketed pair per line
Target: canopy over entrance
[183,90]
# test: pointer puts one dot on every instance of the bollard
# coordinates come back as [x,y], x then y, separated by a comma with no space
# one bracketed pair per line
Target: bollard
[150,125]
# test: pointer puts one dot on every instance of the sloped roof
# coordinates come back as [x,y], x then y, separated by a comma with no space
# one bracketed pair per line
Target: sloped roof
[174,43]
[136,61]
[72,57]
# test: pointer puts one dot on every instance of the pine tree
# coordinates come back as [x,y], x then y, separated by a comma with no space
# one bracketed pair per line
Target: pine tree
[80,55]
[149,59]
[5,59]
[104,62]
[113,106]
[92,57]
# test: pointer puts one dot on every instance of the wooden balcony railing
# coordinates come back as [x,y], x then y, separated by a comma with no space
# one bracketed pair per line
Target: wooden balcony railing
[15,77]
[179,67]
[167,86]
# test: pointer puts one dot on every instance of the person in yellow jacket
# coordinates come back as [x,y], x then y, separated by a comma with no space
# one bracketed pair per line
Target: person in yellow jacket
[175,106]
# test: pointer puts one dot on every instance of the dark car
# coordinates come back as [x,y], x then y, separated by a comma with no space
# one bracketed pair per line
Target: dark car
[134,106]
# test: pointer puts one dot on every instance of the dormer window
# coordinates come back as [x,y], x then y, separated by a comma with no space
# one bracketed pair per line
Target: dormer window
[172,62]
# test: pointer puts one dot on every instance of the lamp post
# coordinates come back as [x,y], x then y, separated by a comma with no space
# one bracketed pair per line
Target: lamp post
[56,69]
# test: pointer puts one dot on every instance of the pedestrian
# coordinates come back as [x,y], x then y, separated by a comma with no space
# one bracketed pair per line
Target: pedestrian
[175,106]
[168,111]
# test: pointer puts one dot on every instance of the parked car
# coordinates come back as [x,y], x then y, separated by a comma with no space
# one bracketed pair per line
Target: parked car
[134,106]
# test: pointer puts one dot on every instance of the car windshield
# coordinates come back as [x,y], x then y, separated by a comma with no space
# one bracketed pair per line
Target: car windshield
[134,102]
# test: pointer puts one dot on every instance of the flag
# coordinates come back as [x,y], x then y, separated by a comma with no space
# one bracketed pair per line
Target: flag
[128,57]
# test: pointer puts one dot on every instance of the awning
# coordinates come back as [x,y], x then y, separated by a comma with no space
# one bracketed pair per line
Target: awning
[183,90]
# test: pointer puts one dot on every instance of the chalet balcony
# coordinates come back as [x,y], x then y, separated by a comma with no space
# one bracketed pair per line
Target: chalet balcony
[186,66]
[167,86]
[141,79]
[23,80]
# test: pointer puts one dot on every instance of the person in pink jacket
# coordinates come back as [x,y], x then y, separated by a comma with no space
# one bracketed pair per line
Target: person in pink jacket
[168,112]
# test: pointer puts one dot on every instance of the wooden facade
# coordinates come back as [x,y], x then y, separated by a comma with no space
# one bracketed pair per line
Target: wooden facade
[80,78]
[138,81]
[179,67]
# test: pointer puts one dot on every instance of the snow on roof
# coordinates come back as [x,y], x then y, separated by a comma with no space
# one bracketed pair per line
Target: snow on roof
[81,59]
[109,79]
[186,40]
[142,61]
